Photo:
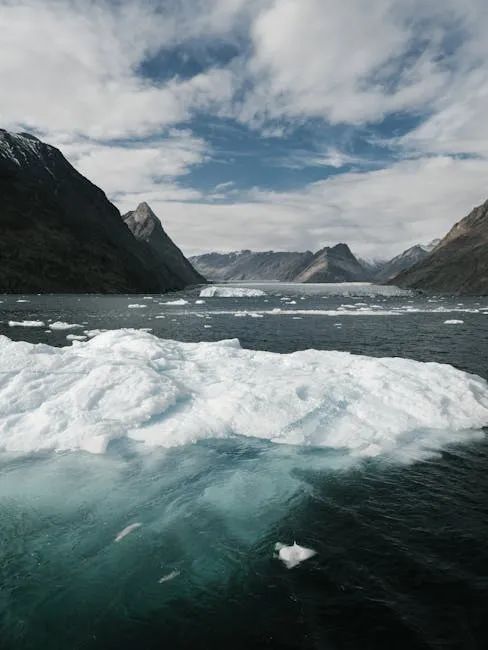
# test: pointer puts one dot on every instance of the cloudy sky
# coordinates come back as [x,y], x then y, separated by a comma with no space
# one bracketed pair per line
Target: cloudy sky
[263,124]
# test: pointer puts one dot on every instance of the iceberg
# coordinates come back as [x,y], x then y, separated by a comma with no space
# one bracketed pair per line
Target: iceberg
[230,292]
[130,384]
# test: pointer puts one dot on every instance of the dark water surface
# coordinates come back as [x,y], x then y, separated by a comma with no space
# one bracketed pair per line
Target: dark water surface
[402,553]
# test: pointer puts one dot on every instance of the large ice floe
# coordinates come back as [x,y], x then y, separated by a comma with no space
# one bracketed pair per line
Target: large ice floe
[230,292]
[131,384]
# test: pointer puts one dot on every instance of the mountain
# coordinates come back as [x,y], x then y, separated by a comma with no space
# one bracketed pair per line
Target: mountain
[401,262]
[162,256]
[60,233]
[330,264]
[458,263]
[333,264]
[247,265]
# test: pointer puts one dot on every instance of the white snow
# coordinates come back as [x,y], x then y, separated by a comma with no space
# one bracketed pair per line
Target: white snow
[26,323]
[76,337]
[230,292]
[293,555]
[128,383]
[180,301]
[126,531]
[453,322]
[61,325]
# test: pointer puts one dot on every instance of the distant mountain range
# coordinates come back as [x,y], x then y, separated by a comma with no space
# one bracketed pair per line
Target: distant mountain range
[60,233]
[330,264]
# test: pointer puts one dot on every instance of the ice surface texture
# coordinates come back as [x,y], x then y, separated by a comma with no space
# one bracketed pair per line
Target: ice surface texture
[128,383]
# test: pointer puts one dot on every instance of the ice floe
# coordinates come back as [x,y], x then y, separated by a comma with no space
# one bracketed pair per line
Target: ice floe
[61,325]
[453,322]
[293,555]
[128,383]
[180,301]
[26,323]
[230,292]
[136,306]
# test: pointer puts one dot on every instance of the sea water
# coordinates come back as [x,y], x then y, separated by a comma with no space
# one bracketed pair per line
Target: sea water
[163,532]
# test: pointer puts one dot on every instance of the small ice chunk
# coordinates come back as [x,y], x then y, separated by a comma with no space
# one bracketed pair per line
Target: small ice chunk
[293,555]
[169,576]
[21,300]
[136,306]
[199,302]
[126,531]
[61,325]
[26,323]
[453,322]
[76,337]
[176,302]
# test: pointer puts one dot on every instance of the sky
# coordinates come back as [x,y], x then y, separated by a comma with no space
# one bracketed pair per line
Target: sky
[262,124]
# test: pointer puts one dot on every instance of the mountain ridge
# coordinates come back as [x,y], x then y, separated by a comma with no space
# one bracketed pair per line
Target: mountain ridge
[60,233]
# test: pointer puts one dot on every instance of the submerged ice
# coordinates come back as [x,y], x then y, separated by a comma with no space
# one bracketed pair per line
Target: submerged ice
[131,384]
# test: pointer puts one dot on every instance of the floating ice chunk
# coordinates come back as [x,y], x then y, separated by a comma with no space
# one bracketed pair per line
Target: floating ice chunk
[127,531]
[453,322]
[22,300]
[26,323]
[76,337]
[207,326]
[169,576]
[180,301]
[230,292]
[61,325]
[136,306]
[293,555]
[131,384]
[199,302]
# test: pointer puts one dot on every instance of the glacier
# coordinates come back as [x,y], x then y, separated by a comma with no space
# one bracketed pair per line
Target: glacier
[129,384]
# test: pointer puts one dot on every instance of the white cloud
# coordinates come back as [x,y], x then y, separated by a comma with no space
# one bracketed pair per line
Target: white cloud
[73,67]
[138,167]
[378,213]
[71,71]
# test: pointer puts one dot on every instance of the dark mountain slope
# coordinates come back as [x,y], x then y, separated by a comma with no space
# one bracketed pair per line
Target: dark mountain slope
[162,256]
[60,233]
[459,263]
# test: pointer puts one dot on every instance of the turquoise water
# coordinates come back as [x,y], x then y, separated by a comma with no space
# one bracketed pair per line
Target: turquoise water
[401,548]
